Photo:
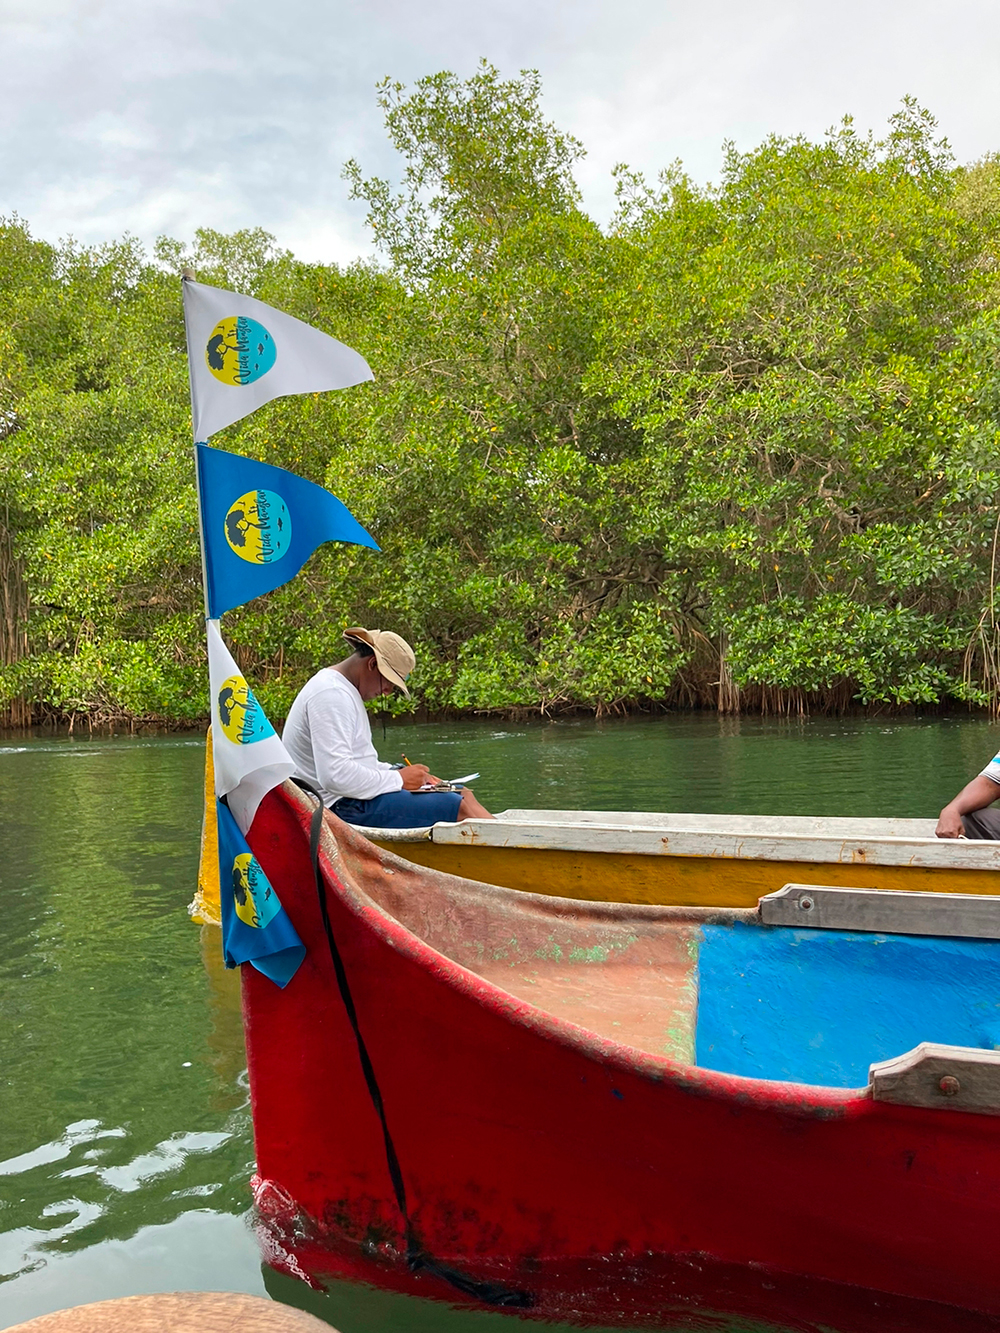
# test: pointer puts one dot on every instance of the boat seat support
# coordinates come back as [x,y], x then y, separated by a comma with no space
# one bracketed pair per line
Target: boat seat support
[888,911]
[944,1078]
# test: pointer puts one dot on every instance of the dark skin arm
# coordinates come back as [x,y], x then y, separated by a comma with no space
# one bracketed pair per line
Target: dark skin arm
[975,795]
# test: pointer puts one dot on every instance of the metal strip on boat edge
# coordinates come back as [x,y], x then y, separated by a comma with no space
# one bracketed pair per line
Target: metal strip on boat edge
[888,911]
[942,1078]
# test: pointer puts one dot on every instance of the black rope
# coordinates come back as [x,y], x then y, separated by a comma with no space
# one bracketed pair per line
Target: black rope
[490,1293]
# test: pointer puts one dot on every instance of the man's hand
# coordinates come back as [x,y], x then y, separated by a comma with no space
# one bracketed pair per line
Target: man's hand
[975,795]
[416,776]
[950,824]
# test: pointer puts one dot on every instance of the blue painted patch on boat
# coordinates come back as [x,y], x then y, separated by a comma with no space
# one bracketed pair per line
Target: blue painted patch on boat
[818,1006]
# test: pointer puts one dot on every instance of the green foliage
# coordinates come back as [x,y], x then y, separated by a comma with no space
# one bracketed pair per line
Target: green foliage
[479,159]
[740,449]
[886,654]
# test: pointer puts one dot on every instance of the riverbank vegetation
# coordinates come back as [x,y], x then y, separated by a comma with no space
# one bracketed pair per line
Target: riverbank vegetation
[737,449]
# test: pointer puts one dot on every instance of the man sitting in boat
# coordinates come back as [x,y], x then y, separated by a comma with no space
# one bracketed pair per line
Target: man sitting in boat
[329,738]
[966,816]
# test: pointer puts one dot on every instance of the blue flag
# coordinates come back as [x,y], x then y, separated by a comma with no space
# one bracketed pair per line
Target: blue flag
[255,926]
[261,524]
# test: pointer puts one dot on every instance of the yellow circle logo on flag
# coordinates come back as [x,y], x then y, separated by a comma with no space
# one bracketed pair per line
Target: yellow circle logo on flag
[258,527]
[243,720]
[240,351]
[255,901]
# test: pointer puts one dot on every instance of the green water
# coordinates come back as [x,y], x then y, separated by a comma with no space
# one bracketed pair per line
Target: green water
[125,1140]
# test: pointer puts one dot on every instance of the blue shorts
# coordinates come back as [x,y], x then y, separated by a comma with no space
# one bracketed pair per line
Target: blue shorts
[400,809]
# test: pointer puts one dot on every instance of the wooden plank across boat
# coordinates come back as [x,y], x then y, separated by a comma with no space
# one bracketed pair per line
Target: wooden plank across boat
[598,1106]
[694,859]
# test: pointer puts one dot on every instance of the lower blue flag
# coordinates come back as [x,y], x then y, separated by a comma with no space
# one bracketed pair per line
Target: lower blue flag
[255,926]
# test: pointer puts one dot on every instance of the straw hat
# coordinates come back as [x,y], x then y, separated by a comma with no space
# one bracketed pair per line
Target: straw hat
[393,656]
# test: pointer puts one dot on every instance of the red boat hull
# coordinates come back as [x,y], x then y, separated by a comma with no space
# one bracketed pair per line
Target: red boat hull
[530,1146]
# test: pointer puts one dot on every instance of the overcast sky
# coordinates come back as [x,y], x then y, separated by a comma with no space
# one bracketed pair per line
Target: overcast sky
[159,116]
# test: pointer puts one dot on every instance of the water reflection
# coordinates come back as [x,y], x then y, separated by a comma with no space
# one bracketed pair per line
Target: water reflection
[121,1053]
[224,1038]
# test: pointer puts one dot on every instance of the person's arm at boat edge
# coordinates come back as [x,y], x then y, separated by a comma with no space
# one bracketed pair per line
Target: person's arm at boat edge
[982,791]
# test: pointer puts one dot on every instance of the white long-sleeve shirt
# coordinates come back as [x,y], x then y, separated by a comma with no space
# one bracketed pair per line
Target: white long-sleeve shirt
[329,738]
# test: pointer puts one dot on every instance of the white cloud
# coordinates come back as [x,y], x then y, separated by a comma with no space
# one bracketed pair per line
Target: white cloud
[172,114]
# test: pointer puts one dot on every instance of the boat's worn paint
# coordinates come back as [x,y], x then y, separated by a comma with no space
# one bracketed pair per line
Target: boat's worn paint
[533,1143]
[818,1006]
[683,880]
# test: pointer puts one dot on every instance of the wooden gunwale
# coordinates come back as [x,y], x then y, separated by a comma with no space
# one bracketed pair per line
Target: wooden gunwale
[695,859]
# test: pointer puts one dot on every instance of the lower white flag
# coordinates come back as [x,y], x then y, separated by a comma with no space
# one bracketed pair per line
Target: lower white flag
[248,754]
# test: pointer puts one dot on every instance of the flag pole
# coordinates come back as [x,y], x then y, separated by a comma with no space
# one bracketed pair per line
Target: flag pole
[188,275]
[207,902]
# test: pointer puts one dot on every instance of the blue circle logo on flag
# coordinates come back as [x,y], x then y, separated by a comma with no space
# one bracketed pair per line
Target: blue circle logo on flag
[255,901]
[240,350]
[258,527]
[243,719]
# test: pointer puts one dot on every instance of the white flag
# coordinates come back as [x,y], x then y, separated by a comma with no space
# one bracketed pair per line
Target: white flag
[248,754]
[242,353]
